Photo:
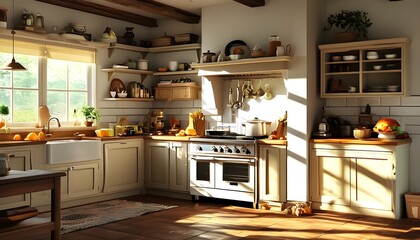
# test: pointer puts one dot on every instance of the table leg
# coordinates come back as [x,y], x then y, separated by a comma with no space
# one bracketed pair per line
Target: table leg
[56,209]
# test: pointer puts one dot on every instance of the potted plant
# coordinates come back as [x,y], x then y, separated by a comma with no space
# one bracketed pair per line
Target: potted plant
[91,114]
[353,24]
[4,111]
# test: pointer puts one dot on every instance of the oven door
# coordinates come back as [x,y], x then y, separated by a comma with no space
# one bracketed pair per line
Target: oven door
[236,174]
[202,171]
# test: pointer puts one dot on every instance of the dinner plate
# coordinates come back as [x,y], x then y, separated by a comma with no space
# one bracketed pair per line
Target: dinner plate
[233,43]
[117,85]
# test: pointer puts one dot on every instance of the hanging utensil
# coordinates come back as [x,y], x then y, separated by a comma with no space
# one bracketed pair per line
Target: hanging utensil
[230,98]
[268,94]
[236,103]
[260,92]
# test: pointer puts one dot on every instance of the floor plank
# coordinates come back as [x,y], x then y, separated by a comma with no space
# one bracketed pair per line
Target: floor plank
[221,220]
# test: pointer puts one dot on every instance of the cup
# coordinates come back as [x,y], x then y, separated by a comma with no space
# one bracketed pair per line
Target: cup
[113,93]
[173,66]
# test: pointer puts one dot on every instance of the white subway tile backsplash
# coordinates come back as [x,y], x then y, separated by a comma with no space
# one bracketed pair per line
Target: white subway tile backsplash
[336,102]
[344,111]
[410,101]
[116,111]
[372,101]
[390,101]
[380,110]
[405,111]
[136,111]
[351,102]
[170,111]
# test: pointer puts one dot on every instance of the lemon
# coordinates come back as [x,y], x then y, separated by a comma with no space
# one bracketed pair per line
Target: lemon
[41,136]
[31,137]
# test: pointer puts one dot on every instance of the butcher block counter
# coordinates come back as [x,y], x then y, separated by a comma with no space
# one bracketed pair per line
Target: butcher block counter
[366,141]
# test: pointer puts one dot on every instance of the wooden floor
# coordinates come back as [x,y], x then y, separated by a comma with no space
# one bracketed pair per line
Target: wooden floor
[210,219]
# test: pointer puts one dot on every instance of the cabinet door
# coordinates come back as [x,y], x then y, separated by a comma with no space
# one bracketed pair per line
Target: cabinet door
[371,183]
[330,179]
[122,165]
[272,170]
[178,165]
[83,180]
[157,164]
[20,161]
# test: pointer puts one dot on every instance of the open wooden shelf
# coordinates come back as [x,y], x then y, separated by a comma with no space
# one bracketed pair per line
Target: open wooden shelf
[111,72]
[175,73]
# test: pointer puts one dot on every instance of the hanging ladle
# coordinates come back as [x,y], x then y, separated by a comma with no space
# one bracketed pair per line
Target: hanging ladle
[230,101]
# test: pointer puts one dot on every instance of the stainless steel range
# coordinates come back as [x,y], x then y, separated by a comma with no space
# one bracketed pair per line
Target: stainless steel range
[224,167]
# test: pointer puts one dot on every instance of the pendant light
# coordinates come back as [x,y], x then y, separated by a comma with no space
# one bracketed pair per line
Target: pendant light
[14,66]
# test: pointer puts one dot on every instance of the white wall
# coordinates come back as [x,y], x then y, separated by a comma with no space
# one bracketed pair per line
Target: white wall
[286,18]
[390,19]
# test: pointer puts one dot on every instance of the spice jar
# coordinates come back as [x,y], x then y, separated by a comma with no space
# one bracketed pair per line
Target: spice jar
[274,42]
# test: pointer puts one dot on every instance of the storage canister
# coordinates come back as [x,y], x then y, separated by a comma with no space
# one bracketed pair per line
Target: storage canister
[143,64]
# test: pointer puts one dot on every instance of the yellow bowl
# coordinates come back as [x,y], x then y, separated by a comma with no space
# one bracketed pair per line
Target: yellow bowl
[361,133]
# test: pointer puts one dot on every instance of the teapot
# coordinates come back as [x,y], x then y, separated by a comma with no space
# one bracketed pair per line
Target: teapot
[4,164]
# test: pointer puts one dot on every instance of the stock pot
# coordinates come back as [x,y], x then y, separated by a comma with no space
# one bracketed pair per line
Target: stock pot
[256,128]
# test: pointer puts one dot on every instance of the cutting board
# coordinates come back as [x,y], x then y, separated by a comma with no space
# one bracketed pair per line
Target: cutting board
[43,116]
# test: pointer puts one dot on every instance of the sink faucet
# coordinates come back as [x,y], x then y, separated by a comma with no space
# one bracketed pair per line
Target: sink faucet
[49,120]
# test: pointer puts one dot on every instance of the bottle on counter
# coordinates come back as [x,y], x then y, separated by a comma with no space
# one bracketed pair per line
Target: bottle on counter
[274,42]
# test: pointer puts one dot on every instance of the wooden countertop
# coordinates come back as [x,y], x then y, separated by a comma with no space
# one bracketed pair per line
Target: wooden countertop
[366,141]
[20,143]
[272,142]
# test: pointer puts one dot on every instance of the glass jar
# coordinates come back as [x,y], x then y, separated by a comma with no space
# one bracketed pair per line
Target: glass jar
[274,42]
[129,35]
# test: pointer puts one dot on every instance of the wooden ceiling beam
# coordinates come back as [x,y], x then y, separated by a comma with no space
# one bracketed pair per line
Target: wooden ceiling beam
[101,10]
[160,9]
[252,3]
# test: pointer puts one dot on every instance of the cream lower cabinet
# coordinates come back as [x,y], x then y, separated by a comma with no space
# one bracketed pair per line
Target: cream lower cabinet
[81,180]
[272,174]
[20,160]
[167,165]
[363,179]
[123,165]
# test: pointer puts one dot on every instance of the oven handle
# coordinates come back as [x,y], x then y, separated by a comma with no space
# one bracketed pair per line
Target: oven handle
[233,160]
[199,158]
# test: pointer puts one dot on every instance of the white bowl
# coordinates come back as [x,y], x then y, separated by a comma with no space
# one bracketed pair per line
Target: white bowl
[122,94]
[372,57]
[235,56]
[377,67]
[393,55]
[371,53]
[349,58]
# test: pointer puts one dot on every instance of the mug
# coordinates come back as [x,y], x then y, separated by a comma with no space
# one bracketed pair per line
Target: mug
[173,66]
[284,50]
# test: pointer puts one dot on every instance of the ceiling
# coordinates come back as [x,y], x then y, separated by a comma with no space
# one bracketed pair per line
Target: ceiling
[147,12]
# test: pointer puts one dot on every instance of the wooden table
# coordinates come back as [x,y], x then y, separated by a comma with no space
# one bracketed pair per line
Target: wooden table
[21,182]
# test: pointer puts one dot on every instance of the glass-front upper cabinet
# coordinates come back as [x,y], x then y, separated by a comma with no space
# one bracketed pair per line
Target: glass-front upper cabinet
[364,68]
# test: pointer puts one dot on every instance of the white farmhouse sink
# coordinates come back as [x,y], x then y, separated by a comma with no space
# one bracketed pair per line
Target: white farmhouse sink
[71,150]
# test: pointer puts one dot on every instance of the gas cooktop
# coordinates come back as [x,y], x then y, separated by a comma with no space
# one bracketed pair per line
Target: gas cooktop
[233,135]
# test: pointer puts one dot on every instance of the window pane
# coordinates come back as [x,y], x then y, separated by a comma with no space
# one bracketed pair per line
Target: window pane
[5,78]
[5,98]
[56,74]
[77,100]
[57,104]
[26,79]
[25,105]
[77,76]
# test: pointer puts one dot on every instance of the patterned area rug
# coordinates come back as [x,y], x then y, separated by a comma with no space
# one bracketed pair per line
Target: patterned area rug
[100,213]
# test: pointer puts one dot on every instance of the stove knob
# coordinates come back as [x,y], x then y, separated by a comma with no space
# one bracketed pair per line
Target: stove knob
[245,150]
[236,150]
[198,148]
[228,150]
[214,149]
[221,149]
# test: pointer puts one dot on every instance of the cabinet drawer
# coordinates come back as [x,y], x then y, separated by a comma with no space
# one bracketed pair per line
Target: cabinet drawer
[176,93]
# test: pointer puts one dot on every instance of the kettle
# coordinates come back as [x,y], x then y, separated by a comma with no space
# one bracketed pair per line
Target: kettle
[4,164]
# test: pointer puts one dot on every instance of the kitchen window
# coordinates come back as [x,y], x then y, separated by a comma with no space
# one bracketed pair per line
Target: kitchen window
[58,77]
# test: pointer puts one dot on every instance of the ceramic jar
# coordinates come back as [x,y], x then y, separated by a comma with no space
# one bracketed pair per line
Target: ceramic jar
[129,35]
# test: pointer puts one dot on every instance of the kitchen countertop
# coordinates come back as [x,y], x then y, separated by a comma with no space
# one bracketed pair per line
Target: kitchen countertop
[20,143]
[272,142]
[367,141]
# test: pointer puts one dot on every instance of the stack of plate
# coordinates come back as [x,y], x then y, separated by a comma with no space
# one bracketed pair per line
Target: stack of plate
[377,89]
[393,88]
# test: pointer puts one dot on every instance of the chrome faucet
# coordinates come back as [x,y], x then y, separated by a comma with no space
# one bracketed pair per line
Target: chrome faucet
[49,120]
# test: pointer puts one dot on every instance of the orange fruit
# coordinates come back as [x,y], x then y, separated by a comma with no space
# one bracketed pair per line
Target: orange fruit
[17,137]
[31,137]
[41,136]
